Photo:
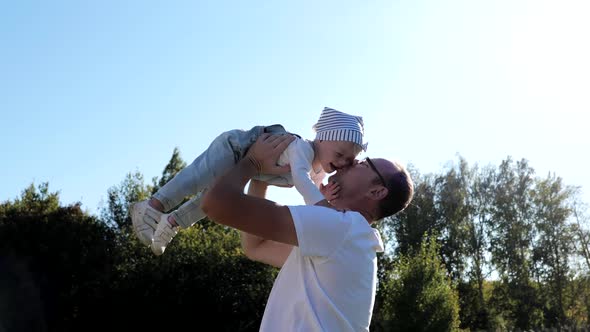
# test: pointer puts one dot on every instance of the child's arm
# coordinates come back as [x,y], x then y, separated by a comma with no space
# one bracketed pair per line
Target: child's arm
[330,192]
[305,186]
[300,157]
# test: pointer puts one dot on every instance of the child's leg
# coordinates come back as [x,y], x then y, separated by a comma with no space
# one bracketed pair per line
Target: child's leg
[190,212]
[220,156]
[187,214]
[224,152]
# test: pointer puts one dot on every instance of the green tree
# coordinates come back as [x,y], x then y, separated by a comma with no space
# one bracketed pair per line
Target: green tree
[175,165]
[63,270]
[33,200]
[120,197]
[203,278]
[553,246]
[132,189]
[581,245]
[511,236]
[419,218]
[474,309]
[419,294]
[454,212]
[56,264]
[581,225]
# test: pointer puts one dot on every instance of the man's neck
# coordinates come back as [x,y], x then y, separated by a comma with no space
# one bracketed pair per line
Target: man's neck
[367,216]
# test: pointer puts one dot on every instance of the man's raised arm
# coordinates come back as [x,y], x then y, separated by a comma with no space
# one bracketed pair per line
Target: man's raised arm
[225,202]
[257,248]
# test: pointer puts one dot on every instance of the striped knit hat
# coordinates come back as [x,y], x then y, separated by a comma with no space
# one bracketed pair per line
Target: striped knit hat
[334,125]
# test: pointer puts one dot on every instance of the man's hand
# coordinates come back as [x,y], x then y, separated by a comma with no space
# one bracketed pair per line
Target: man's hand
[265,152]
[226,204]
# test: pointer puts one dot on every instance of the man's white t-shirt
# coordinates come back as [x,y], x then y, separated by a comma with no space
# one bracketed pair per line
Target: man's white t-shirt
[329,281]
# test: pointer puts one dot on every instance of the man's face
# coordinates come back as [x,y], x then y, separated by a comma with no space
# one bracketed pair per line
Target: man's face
[356,180]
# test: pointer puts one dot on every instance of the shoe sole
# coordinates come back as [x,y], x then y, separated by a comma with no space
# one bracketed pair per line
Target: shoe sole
[156,246]
[136,225]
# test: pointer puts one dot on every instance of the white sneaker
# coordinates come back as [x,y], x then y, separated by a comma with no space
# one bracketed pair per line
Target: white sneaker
[145,219]
[163,235]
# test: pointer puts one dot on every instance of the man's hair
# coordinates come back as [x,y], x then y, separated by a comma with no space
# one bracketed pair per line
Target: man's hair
[400,193]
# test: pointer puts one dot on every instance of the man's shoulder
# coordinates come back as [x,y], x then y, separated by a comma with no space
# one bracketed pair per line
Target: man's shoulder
[322,223]
[326,212]
[361,232]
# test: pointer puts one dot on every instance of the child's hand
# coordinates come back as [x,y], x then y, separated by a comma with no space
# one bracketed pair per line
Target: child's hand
[330,191]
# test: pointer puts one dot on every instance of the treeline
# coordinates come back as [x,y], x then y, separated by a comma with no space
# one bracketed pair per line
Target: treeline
[514,244]
[495,248]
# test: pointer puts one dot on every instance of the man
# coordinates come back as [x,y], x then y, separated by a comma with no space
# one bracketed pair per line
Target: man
[327,257]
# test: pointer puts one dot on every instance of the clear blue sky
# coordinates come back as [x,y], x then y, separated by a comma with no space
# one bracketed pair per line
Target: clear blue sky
[91,90]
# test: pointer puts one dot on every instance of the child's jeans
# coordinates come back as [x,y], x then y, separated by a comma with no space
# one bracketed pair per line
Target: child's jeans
[223,153]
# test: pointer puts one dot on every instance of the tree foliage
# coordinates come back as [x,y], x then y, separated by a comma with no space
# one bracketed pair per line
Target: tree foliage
[120,197]
[419,294]
[479,248]
[175,165]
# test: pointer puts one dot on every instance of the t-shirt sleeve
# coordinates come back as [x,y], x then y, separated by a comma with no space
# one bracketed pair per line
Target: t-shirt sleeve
[320,230]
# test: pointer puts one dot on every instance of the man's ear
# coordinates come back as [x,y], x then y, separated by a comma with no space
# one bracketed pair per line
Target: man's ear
[378,193]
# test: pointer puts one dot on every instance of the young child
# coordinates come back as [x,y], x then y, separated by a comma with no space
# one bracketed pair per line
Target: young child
[339,139]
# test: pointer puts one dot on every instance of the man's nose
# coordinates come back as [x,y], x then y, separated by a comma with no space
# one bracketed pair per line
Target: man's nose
[348,163]
[347,166]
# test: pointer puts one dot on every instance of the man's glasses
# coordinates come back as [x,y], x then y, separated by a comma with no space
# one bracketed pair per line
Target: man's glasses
[376,171]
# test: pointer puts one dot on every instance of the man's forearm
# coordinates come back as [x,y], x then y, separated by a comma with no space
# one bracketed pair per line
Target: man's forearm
[225,202]
[237,178]
[251,242]
[257,188]
[229,187]
[257,248]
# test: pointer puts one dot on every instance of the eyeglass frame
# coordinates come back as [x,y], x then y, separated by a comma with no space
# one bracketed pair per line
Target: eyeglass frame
[376,171]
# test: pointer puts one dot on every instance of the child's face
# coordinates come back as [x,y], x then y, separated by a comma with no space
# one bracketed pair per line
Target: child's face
[336,154]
